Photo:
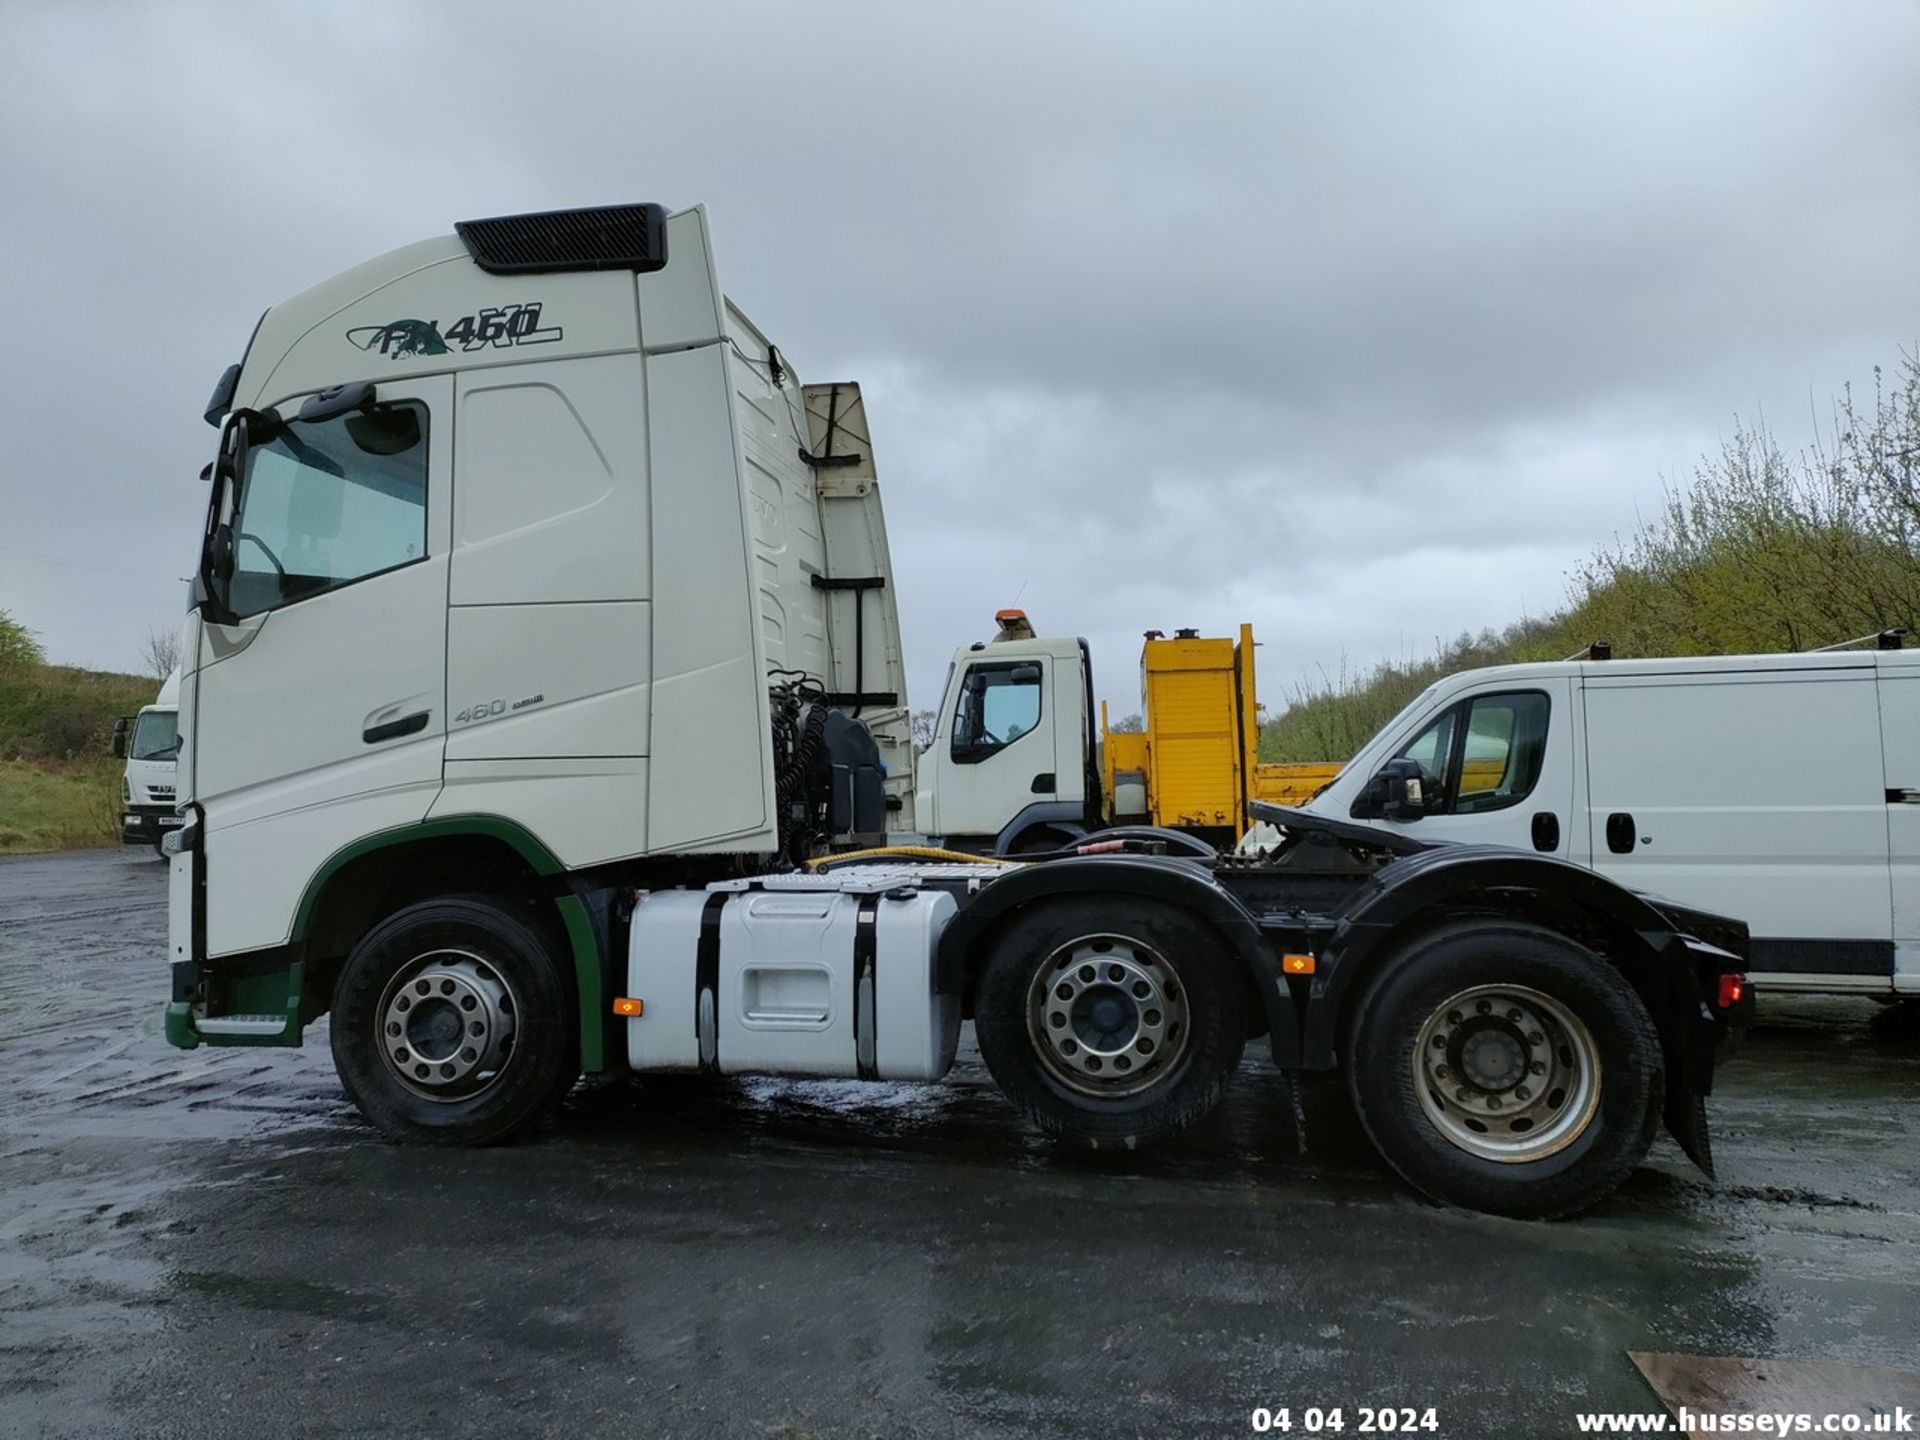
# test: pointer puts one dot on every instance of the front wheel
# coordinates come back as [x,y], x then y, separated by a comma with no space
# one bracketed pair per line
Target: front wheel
[1502,1067]
[1111,1022]
[451,1024]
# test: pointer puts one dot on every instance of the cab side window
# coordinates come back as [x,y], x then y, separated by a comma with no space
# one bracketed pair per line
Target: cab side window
[326,503]
[998,704]
[1484,753]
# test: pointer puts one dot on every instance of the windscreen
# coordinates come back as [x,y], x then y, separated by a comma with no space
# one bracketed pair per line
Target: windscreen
[156,736]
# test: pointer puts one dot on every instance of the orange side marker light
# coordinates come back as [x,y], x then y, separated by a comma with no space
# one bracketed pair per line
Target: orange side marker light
[632,1009]
[1297,964]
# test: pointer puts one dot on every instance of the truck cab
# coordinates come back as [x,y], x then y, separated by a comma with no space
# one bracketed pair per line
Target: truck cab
[1011,767]
[150,743]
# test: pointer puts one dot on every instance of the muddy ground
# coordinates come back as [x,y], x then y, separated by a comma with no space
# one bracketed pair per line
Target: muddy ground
[213,1243]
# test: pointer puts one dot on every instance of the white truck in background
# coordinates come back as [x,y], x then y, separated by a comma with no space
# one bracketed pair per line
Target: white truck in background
[1784,789]
[543,672]
[150,744]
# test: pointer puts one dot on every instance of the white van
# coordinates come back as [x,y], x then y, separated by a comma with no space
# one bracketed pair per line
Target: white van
[1782,789]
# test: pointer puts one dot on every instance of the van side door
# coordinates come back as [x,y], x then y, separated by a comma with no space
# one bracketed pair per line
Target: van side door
[1756,793]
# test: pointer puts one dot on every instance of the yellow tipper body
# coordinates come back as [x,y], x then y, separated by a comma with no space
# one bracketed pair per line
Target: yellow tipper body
[1198,754]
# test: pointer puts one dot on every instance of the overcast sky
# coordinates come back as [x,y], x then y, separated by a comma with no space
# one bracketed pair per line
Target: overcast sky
[1364,323]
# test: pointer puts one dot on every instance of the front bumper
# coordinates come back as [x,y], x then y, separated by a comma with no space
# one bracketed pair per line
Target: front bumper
[145,824]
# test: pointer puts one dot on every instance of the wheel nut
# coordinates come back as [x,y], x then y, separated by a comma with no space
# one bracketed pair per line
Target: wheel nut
[1536,1068]
[1534,1037]
[1493,1102]
[1520,1092]
[1440,1072]
[1513,1015]
[1454,1017]
[1484,1007]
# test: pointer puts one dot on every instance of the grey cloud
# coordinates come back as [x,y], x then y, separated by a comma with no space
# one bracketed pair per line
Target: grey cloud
[1360,322]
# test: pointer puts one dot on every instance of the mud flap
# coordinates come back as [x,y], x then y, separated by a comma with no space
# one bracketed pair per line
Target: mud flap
[1686,1117]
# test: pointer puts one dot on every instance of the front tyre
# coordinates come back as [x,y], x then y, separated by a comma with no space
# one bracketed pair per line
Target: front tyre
[1499,1066]
[1110,1023]
[451,1024]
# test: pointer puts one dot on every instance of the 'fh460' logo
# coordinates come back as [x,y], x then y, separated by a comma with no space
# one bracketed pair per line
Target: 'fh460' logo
[500,327]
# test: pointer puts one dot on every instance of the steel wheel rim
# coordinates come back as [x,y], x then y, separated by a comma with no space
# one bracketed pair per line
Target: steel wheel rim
[1507,1073]
[1107,1015]
[446,1025]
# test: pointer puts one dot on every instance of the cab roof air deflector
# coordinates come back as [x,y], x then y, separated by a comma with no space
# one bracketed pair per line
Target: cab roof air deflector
[607,237]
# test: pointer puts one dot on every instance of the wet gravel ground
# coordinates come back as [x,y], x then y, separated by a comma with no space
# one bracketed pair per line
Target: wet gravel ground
[213,1243]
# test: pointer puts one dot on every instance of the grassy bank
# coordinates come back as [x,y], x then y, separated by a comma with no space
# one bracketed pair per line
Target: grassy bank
[59,786]
[68,806]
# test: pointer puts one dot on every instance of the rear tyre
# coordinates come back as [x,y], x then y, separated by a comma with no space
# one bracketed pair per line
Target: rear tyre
[1501,1067]
[1111,1023]
[452,1024]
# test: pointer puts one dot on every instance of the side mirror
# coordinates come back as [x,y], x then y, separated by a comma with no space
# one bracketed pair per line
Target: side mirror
[121,728]
[1397,791]
[1025,675]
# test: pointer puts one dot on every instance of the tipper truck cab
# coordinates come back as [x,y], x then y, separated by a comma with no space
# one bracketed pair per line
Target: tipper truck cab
[544,657]
[1784,789]
[150,744]
[1017,766]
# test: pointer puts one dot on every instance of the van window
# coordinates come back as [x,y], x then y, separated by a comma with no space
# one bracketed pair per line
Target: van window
[1482,754]
[998,704]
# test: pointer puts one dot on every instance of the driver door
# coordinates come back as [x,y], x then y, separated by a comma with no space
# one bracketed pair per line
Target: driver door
[320,711]
[994,753]
[1497,769]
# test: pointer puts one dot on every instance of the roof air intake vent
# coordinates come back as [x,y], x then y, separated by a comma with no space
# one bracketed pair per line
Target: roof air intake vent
[610,237]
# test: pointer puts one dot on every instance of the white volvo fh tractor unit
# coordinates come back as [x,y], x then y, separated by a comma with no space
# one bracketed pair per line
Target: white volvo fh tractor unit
[544,675]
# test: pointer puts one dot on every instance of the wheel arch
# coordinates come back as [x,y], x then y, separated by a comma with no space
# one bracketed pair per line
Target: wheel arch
[1438,890]
[1176,882]
[376,875]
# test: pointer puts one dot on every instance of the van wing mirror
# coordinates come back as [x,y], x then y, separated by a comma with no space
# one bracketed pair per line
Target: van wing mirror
[1397,791]
[121,727]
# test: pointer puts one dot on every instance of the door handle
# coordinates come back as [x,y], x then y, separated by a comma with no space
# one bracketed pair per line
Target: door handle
[1044,784]
[393,729]
[1620,833]
[1546,831]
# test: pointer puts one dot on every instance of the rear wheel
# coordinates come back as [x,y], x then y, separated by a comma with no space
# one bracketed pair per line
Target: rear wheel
[1110,1022]
[1499,1066]
[452,1024]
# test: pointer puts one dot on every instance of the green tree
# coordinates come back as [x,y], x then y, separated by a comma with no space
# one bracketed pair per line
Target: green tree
[19,646]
